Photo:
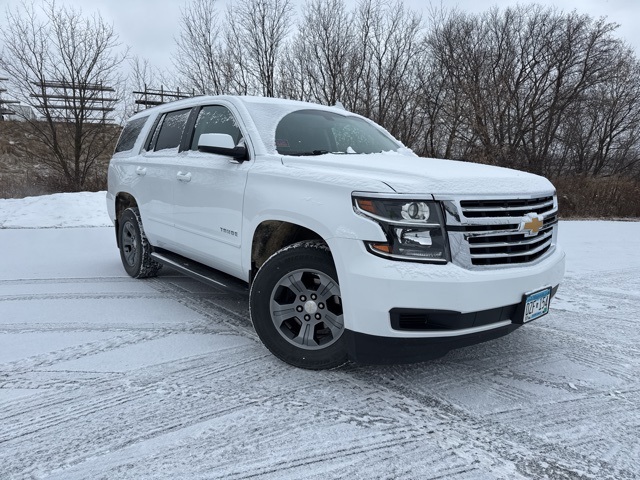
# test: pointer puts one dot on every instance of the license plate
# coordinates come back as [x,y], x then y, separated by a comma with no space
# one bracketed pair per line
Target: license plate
[536,305]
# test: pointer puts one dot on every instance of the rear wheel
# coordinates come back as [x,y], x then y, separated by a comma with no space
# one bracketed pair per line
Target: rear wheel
[135,250]
[296,307]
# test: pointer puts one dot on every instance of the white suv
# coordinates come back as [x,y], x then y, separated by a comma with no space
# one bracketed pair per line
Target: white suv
[351,245]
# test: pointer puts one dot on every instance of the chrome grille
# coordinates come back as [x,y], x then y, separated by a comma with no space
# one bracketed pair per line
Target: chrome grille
[487,231]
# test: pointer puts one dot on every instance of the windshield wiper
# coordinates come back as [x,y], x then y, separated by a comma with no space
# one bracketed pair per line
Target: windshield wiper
[312,153]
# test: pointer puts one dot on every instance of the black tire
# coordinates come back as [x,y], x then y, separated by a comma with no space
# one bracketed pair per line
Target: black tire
[135,251]
[300,283]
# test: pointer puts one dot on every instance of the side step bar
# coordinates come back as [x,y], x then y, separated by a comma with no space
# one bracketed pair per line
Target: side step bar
[201,272]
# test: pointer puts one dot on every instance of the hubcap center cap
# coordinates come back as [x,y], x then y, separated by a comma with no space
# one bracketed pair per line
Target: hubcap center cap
[311,307]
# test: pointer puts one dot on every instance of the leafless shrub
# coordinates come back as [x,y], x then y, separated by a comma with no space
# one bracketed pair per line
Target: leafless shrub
[604,197]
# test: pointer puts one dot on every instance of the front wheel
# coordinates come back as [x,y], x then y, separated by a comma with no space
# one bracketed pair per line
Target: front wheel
[296,307]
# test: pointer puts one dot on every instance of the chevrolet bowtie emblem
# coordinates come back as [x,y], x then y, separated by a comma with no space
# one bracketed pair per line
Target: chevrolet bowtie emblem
[531,225]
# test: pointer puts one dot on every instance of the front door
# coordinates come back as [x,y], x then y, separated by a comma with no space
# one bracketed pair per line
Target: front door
[208,196]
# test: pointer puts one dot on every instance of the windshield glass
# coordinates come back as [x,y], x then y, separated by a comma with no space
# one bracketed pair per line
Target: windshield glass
[316,132]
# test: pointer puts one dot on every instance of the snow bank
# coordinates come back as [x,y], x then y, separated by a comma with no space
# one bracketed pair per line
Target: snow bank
[600,245]
[60,210]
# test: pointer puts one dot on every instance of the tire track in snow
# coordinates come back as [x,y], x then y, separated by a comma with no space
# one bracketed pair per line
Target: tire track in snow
[79,280]
[501,440]
[211,306]
[560,467]
[241,413]
[79,296]
[75,414]
[75,352]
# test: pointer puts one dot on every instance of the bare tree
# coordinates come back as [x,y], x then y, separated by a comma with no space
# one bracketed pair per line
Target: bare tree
[441,133]
[521,70]
[142,73]
[58,48]
[527,87]
[256,35]
[240,57]
[201,49]
[292,70]
[602,133]
[322,52]
[390,53]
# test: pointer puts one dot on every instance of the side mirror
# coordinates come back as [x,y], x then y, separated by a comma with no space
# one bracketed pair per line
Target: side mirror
[222,144]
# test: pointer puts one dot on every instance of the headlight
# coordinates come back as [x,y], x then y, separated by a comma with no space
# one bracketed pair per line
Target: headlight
[414,228]
[415,211]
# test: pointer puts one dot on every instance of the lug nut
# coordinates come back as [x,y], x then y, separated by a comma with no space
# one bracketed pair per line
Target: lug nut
[318,316]
[299,308]
[303,298]
[321,305]
[313,296]
[307,317]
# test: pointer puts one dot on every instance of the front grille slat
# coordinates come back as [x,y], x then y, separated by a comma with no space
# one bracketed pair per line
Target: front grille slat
[490,229]
[517,252]
[546,206]
[506,208]
[510,260]
[493,234]
[481,241]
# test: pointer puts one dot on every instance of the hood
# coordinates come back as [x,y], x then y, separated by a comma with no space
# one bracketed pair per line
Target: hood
[410,174]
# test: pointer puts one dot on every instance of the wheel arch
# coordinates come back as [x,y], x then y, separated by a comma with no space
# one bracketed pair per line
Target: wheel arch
[123,201]
[273,235]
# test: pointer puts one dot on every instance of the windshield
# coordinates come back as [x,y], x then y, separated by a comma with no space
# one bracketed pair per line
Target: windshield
[316,132]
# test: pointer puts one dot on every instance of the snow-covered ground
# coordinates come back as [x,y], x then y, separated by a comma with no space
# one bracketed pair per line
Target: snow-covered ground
[61,210]
[103,376]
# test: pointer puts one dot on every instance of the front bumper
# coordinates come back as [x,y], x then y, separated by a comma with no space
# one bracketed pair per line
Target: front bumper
[373,287]
[375,350]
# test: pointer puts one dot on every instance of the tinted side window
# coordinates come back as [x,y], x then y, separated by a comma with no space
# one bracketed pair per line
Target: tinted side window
[151,141]
[130,134]
[171,129]
[215,119]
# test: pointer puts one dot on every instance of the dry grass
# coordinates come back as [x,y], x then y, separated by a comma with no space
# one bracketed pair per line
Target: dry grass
[21,176]
[610,197]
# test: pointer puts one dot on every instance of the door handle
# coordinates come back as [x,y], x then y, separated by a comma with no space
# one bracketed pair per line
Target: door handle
[142,171]
[184,177]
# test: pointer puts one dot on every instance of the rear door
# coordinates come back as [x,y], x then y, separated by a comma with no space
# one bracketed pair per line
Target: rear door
[156,173]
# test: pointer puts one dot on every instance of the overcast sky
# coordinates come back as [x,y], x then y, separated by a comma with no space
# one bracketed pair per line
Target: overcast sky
[150,26]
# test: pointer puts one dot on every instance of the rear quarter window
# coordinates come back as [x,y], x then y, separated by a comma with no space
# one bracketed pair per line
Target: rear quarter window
[130,134]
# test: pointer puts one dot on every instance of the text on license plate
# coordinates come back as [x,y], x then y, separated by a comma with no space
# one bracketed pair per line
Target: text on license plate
[537,304]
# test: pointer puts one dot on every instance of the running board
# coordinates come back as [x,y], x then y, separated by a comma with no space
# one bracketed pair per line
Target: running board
[201,272]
